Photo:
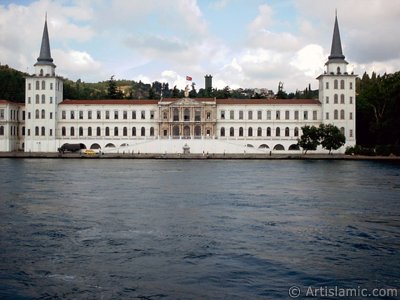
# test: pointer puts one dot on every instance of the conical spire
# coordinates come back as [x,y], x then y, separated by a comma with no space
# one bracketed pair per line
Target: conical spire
[336,49]
[45,54]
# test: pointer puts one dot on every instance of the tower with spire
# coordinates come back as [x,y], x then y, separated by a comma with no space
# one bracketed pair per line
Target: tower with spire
[44,91]
[337,91]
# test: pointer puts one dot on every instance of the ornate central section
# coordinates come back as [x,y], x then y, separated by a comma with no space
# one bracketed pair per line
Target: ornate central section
[187,118]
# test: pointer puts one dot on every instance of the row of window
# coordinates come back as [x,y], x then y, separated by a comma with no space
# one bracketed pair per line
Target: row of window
[98,114]
[259,132]
[13,114]
[187,116]
[41,86]
[107,131]
[336,115]
[40,100]
[13,130]
[336,99]
[258,115]
[40,114]
[336,85]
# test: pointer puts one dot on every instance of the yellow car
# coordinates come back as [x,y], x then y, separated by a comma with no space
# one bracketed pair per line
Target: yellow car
[89,152]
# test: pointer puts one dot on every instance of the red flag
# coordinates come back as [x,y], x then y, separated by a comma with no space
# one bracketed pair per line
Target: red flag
[188,78]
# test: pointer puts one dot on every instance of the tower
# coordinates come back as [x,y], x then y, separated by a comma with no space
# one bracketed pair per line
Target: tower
[208,82]
[337,91]
[44,91]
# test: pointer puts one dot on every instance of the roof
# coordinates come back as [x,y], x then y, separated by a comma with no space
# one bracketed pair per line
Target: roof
[109,102]
[268,101]
[336,48]
[45,54]
[2,101]
[196,99]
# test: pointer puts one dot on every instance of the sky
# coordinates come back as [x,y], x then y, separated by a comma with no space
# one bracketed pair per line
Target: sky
[241,43]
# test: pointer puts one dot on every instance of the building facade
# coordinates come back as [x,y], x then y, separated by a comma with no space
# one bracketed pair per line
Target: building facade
[200,125]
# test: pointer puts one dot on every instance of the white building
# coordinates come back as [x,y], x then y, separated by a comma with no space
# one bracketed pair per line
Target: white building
[203,125]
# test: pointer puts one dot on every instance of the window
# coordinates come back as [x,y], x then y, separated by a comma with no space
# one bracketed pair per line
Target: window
[37,99]
[51,85]
[89,114]
[327,85]
[250,115]
[142,131]
[80,131]
[115,114]
[43,85]
[315,115]
[222,131]
[305,115]
[351,100]
[232,114]
[335,114]
[342,130]
[240,131]
[259,115]
[335,99]
[107,131]
[37,114]
[342,84]
[176,114]
[98,115]
[107,115]
[278,115]
[351,85]
[125,131]
[222,115]
[1,114]
[231,131]
[175,131]
[208,115]
[37,130]
[151,131]
[240,114]
[133,131]
[327,100]
[342,99]
[287,115]
[165,115]
[29,86]
[43,99]
[296,114]
[351,116]
[29,115]
[259,131]
[43,114]
[268,115]
[143,114]
[72,131]
[133,114]
[23,130]
[197,115]
[89,131]
[335,84]
[278,131]
[1,130]
[186,114]
[125,115]
[98,131]
[296,131]
[351,133]
[152,114]
[327,116]
[51,100]
[43,131]
[72,115]
[80,115]
[23,115]
[250,131]
[115,131]
[29,100]
[268,131]
[37,85]
[338,70]
[63,131]
[342,114]
[287,131]
[197,130]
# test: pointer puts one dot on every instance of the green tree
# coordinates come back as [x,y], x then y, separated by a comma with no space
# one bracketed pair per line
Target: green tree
[310,138]
[112,89]
[331,138]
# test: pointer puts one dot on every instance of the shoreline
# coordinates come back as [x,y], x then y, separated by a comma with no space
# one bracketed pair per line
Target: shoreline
[248,156]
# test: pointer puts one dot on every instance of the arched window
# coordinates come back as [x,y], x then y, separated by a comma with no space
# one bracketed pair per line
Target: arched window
[338,70]
[37,85]
[278,131]
[37,114]
[125,131]
[43,99]
[151,131]
[342,130]
[287,131]
[335,99]
[342,99]
[250,131]
[186,131]
[80,131]
[335,114]
[186,114]
[231,131]
[98,131]
[197,130]
[259,131]
[37,99]
[63,131]
[41,72]
[222,131]
[175,130]
[37,130]
[115,131]
[335,84]
[268,131]
[240,131]
[250,115]
[89,131]
[342,84]
[43,85]
[296,131]
[133,131]
[43,114]
[342,114]
[142,131]
[176,114]
[72,131]
[1,130]
[107,131]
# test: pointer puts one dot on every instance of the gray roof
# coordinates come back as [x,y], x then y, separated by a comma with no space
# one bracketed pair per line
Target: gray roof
[336,49]
[45,54]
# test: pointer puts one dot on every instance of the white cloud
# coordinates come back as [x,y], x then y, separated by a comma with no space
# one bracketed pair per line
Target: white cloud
[310,59]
